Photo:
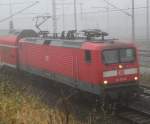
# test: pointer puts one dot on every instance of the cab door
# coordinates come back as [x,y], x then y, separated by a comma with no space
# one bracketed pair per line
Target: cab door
[86,66]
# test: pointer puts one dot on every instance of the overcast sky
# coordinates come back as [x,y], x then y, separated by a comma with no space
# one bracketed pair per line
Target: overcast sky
[92,18]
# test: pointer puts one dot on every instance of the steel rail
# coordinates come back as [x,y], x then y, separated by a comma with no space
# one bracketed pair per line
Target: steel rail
[134,116]
[137,112]
[146,90]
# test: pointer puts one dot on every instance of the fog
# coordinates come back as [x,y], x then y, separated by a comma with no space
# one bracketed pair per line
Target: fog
[116,23]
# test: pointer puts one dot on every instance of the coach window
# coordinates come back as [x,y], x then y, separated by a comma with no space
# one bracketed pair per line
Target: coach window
[88,56]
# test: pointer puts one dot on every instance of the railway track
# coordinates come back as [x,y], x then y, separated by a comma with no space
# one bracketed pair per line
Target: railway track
[137,112]
[146,90]
[135,117]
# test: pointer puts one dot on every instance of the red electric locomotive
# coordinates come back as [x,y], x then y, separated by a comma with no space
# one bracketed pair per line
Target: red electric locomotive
[91,65]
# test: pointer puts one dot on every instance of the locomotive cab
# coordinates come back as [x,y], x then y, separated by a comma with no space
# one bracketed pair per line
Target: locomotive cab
[120,65]
[120,69]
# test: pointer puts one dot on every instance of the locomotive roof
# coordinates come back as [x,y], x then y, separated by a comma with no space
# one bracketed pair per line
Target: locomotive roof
[80,43]
[107,45]
[31,36]
[56,42]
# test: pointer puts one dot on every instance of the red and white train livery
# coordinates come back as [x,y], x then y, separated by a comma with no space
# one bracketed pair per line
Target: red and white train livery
[92,66]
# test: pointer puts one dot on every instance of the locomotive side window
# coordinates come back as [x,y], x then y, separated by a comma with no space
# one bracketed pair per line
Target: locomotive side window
[88,56]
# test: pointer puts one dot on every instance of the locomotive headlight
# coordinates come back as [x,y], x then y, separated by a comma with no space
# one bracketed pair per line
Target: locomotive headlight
[120,66]
[105,82]
[136,78]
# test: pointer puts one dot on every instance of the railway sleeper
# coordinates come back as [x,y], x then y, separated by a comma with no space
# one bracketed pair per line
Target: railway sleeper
[134,117]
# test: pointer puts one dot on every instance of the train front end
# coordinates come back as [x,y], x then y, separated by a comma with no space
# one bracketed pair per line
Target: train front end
[121,74]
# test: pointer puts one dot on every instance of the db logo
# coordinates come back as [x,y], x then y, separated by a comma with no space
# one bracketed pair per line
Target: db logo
[121,72]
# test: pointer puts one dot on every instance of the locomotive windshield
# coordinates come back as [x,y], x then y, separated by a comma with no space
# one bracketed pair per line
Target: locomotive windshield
[115,56]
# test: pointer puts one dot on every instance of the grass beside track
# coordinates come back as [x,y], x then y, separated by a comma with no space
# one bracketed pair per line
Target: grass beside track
[17,108]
